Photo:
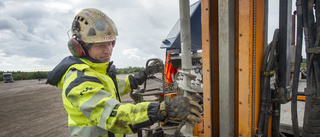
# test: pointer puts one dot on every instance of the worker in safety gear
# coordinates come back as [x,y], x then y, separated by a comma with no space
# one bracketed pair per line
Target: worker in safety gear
[91,92]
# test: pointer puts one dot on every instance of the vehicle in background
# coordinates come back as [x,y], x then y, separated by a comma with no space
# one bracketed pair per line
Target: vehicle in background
[7,78]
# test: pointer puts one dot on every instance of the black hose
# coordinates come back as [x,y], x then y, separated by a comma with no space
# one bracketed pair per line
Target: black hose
[316,62]
[310,22]
[263,69]
[317,43]
[312,103]
[265,96]
[316,65]
[309,25]
[295,83]
[267,89]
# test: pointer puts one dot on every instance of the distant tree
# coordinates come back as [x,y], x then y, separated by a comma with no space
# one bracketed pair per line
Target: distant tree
[129,70]
[304,63]
[19,75]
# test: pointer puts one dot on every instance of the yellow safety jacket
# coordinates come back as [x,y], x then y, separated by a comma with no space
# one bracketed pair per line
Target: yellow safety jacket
[92,99]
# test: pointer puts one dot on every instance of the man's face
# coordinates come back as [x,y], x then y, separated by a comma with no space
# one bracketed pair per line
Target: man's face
[101,51]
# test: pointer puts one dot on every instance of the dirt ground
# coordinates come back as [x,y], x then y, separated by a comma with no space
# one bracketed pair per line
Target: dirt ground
[33,108]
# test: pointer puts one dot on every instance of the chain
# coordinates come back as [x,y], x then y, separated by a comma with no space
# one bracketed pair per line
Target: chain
[254,65]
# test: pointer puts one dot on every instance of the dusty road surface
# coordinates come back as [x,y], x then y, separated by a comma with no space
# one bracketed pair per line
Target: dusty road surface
[33,108]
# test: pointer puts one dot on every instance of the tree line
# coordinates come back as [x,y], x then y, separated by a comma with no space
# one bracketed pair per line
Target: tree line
[20,75]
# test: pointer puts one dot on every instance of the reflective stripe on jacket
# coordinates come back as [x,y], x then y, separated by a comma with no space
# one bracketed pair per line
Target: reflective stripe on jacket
[90,98]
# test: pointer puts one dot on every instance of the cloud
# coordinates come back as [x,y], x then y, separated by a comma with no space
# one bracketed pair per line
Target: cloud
[1,4]
[7,22]
[131,54]
[33,33]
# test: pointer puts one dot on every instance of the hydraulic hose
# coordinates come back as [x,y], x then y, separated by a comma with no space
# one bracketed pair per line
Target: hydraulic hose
[263,69]
[316,60]
[265,97]
[295,83]
[312,104]
[267,90]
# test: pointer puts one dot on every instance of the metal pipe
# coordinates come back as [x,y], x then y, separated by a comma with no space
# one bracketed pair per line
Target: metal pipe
[284,48]
[185,36]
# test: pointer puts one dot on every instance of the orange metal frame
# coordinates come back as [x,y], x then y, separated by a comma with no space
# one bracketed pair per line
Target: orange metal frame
[246,74]
[246,89]
[301,98]
[210,61]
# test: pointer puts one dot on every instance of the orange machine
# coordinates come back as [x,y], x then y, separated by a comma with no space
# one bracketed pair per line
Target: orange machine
[229,70]
[241,30]
[234,41]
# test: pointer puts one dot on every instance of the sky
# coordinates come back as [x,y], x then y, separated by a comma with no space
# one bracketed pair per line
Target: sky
[34,33]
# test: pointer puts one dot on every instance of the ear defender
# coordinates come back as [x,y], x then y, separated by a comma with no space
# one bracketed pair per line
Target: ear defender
[76,48]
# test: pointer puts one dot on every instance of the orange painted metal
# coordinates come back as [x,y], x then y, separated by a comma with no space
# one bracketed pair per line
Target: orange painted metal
[206,68]
[198,129]
[244,70]
[248,74]
[210,61]
[259,59]
[171,95]
[301,98]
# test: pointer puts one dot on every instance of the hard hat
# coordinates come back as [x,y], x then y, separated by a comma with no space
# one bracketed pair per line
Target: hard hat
[91,26]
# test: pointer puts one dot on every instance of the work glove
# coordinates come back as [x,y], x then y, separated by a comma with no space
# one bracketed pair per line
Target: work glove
[112,70]
[154,67]
[141,76]
[135,98]
[181,108]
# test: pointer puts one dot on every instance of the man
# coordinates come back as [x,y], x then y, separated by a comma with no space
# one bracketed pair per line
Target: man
[91,92]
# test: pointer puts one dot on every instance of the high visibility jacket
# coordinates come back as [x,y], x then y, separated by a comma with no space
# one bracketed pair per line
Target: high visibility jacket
[92,99]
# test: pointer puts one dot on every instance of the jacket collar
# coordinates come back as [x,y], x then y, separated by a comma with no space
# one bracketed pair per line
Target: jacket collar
[100,67]
[57,73]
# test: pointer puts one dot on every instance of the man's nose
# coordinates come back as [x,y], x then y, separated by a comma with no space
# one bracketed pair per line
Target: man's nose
[108,49]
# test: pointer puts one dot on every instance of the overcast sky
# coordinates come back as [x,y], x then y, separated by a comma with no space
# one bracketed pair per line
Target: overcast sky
[33,33]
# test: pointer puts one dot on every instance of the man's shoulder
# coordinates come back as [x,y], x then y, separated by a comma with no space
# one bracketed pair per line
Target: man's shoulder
[71,60]
[57,73]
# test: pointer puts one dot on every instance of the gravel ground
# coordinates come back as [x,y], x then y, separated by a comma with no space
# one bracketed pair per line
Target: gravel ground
[33,108]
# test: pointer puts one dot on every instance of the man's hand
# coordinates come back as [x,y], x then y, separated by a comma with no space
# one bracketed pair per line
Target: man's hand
[154,67]
[141,76]
[135,98]
[181,108]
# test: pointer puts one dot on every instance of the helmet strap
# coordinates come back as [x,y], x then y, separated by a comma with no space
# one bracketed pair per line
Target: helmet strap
[86,49]
[89,45]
